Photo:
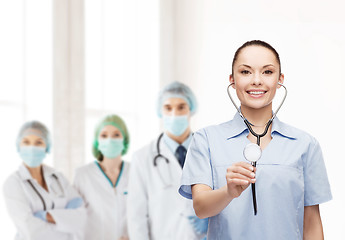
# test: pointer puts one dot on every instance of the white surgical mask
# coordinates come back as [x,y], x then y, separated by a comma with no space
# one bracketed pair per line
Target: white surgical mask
[32,156]
[176,125]
[110,148]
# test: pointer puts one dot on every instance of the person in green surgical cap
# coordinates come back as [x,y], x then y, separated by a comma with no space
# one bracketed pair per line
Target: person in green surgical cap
[103,183]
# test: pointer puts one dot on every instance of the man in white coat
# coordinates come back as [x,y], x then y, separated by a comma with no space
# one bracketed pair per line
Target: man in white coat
[155,209]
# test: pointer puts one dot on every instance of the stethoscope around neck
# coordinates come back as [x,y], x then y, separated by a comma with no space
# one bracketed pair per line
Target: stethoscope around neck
[252,152]
[159,157]
[40,195]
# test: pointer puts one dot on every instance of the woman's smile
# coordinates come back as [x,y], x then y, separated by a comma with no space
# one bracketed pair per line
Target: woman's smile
[256,93]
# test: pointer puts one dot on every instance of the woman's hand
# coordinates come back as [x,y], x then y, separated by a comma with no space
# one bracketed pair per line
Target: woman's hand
[238,177]
[50,218]
[208,202]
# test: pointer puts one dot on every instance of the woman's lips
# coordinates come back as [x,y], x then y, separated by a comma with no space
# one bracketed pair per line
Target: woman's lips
[256,93]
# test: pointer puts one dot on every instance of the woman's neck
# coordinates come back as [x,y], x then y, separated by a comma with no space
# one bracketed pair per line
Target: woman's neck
[36,172]
[257,117]
[111,165]
[179,139]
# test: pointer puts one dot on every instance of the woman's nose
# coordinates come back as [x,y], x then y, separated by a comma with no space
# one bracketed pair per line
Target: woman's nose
[257,79]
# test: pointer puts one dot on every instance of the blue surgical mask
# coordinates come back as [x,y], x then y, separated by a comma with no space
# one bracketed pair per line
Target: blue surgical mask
[110,148]
[176,125]
[32,156]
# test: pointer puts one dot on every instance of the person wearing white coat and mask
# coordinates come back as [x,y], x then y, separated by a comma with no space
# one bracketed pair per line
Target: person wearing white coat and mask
[155,209]
[39,199]
[103,183]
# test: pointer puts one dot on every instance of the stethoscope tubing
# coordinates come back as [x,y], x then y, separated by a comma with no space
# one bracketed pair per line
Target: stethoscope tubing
[258,136]
[40,195]
[238,108]
[167,161]
[159,152]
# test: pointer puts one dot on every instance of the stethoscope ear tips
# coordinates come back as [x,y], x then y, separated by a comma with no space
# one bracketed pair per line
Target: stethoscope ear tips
[252,152]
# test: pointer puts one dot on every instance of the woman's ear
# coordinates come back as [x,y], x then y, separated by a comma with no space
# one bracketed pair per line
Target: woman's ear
[280,79]
[232,81]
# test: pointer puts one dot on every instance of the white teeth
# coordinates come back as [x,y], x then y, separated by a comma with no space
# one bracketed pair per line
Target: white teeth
[256,92]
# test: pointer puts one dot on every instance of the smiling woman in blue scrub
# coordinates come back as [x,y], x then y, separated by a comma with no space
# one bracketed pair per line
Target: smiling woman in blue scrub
[40,201]
[155,209]
[103,183]
[290,177]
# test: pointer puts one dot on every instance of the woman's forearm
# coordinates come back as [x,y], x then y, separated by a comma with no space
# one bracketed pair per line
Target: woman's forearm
[208,202]
[312,226]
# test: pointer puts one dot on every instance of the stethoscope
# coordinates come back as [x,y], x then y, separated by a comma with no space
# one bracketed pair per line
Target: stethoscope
[252,152]
[158,156]
[40,196]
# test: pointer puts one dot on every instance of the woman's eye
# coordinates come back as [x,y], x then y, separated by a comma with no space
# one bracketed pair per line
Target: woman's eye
[116,135]
[268,72]
[181,107]
[103,135]
[245,72]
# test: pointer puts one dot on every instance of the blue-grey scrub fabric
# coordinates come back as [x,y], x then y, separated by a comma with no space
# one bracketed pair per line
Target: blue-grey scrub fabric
[291,174]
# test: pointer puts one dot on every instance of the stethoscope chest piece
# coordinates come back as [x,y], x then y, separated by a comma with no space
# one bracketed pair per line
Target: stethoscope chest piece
[252,152]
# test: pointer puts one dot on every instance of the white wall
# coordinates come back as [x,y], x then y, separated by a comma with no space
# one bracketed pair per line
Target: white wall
[308,35]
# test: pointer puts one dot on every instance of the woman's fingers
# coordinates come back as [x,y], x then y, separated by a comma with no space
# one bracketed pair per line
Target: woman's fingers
[241,169]
[242,178]
[239,176]
[240,173]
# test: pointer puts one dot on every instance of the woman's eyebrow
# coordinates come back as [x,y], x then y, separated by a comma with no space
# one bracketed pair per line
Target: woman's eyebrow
[245,65]
[269,65]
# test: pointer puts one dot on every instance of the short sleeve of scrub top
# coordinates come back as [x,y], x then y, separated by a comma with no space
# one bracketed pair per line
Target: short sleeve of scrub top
[316,187]
[198,169]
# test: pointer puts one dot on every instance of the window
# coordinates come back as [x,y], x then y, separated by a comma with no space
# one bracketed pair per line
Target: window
[25,80]
[122,67]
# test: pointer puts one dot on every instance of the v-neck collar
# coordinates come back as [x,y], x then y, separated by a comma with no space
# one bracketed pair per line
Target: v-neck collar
[105,175]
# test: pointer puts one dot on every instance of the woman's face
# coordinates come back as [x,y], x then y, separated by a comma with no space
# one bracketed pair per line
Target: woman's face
[32,140]
[256,76]
[109,131]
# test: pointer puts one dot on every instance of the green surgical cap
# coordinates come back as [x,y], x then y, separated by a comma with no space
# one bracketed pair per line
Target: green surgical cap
[117,122]
[177,90]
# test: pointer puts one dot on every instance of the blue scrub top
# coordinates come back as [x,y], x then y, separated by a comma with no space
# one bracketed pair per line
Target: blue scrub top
[291,174]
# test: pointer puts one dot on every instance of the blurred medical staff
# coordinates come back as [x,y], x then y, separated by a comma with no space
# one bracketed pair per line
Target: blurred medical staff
[103,183]
[40,201]
[155,209]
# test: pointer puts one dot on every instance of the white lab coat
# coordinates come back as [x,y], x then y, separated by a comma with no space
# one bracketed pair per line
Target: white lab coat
[155,208]
[106,205]
[22,202]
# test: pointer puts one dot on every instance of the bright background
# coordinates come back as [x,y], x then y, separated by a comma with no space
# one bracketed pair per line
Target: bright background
[129,49]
